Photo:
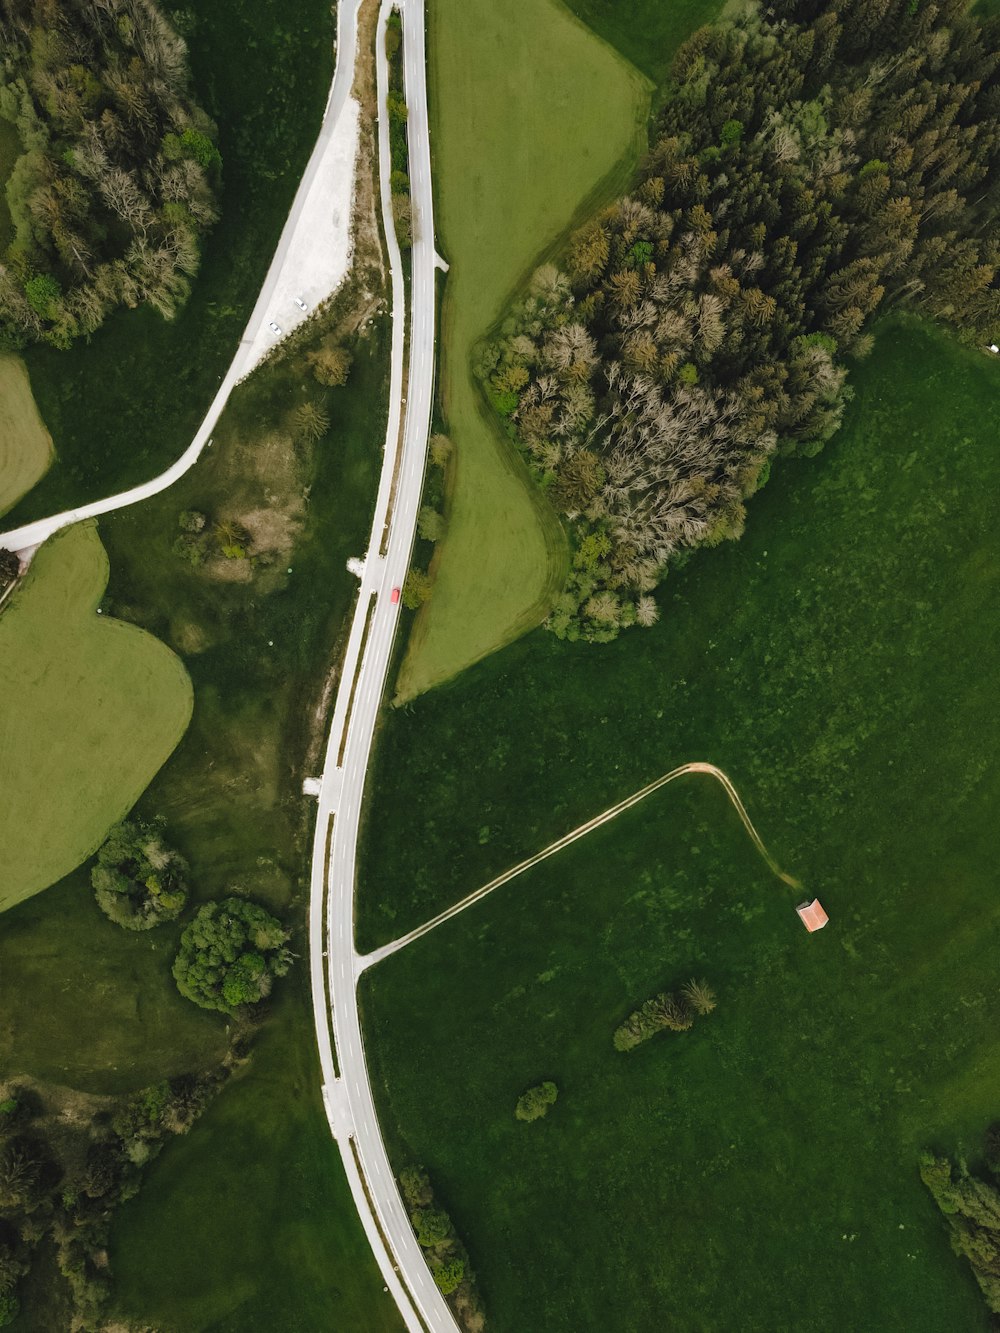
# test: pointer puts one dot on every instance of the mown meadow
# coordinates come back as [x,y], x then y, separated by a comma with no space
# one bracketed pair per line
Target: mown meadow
[759,1171]
[95,707]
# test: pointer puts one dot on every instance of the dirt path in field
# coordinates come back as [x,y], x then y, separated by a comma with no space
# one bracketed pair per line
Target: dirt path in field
[377,955]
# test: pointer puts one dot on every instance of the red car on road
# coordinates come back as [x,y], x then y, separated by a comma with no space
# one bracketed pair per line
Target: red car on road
[395,596]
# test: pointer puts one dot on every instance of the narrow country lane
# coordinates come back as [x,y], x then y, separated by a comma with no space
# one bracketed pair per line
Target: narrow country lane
[696,766]
[283,273]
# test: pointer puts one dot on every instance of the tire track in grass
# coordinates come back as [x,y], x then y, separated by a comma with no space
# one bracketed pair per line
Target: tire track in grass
[697,766]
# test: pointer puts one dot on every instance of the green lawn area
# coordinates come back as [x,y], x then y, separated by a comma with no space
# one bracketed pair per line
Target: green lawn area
[25,444]
[758,1172]
[530,115]
[134,1027]
[91,710]
[124,406]
[648,32]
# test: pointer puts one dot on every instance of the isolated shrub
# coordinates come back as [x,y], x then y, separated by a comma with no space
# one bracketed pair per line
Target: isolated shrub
[534,1103]
[230,955]
[699,995]
[138,881]
[331,364]
[191,520]
[312,421]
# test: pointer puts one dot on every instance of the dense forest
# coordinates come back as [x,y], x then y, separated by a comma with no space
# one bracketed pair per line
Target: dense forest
[117,179]
[812,166]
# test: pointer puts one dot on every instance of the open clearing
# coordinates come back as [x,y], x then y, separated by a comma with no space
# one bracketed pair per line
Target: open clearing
[25,444]
[760,1171]
[90,711]
[530,113]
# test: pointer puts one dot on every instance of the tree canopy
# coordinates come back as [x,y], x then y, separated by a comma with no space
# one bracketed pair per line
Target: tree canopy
[138,880]
[118,175]
[812,165]
[230,955]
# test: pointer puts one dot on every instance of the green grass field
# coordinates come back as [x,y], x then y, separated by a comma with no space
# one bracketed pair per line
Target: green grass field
[758,1172]
[25,444]
[648,32]
[90,711]
[122,407]
[530,114]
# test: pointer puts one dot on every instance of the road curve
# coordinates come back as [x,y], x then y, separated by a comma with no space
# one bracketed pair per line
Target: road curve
[30,535]
[697,766]
[347,1091]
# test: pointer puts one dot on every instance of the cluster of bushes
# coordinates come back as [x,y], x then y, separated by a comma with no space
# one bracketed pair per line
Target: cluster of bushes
[446,1255]
[399,179]
[812,166]
[230,955]
[118,176]
[972,1207]
[62,1175]
[430,521]
[230,952]
[138,880]
[200,538]
[666,1012]
[535,1103]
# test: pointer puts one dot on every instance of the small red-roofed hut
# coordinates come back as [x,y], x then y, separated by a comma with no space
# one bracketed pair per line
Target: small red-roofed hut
[812,915]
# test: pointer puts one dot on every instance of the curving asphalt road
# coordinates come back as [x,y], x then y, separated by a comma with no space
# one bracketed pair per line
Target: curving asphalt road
[334,962]
[26,538]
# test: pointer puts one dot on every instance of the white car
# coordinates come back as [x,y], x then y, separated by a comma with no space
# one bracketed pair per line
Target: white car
[300,303]
[275,328]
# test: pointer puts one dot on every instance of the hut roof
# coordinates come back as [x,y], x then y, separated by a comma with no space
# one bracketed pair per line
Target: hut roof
[813,915]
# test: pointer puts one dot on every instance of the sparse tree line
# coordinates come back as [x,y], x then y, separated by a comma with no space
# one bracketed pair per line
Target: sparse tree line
[399,178]
[972,1208]
[431,524]
[63,1174]
[446,1255]
[666,1012]
[118,177]
[813,165]
[230,953]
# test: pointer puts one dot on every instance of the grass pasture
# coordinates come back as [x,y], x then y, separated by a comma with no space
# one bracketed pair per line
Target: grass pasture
[91,710]
[648,32]
[760,1171]
[530,113]
[25,444]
